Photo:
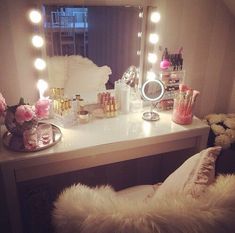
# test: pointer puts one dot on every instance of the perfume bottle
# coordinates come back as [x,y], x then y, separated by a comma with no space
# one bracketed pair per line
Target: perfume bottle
[165,63]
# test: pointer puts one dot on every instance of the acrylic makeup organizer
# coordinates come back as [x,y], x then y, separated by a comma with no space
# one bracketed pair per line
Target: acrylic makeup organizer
[171,81]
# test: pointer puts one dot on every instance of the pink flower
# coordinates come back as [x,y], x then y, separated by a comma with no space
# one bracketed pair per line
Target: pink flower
[24,113]
[42,108]
[3,105]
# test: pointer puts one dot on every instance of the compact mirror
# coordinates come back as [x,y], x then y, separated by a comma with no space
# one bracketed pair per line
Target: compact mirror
[152,90]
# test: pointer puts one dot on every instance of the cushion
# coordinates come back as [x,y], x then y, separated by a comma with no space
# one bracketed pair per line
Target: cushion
[138,192]
[194,175]
[85,78]
[57,70]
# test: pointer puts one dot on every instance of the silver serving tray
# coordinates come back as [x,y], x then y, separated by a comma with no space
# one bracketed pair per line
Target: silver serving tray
[16,143]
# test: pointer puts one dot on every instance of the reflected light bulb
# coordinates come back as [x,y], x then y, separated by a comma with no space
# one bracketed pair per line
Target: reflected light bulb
[151,75]
[40,64]
[138,53]
[141,15]
[139,34]
[155,17]
[153,38]
[42,86]
[35,16]
[152,58]
[37,41]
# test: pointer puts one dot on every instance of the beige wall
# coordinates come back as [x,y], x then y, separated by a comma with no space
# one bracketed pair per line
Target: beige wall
[205,28]
[17,76]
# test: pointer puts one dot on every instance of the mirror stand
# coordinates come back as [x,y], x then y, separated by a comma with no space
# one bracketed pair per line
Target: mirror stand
[151,115]
[153,91]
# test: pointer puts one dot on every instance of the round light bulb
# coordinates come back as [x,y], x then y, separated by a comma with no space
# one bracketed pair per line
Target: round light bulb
[37,41]
[152,58]
[153,38]
[40,64]
[139,34]
[155,17]
[42,87]
[138,52]
[35,16]
[151,75]
[141,15]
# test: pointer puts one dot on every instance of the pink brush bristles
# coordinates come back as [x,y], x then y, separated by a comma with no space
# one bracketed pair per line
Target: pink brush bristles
[183,104]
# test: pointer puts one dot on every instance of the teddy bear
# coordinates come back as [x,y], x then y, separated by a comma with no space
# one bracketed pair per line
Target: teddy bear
[222,130]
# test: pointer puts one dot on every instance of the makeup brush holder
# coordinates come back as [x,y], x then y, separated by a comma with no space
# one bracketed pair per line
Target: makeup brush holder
[182,113]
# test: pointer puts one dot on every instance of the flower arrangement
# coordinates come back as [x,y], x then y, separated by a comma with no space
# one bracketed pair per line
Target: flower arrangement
[222,130]
[22,116]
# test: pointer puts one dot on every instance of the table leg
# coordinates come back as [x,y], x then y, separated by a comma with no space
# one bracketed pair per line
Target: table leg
[13,205]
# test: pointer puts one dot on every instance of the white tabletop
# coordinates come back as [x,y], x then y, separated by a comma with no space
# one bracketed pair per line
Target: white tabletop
[109,134]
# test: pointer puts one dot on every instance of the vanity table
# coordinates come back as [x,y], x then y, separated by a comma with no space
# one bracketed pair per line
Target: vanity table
[100,142]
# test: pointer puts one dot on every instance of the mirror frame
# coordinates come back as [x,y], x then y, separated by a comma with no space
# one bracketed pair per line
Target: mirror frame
[144,4]
[157,98]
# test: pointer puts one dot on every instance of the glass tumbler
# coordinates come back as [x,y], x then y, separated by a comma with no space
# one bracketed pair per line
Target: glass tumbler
[45,133]
[30,139]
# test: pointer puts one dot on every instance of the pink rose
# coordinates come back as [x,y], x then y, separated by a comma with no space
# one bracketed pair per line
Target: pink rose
[24,113]
[3,105]
[42,108]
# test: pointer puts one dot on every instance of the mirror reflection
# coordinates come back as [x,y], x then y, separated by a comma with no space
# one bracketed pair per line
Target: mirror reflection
[106,35]
[131,77]
[153,90]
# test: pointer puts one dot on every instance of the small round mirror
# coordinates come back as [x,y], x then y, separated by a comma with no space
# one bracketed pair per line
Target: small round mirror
[152,90]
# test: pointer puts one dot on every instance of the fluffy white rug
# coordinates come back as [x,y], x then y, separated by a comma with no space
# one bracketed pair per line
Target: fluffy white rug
[83,209]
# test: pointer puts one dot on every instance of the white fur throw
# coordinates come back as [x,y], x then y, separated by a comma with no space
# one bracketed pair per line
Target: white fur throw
[76,74]
[99,210]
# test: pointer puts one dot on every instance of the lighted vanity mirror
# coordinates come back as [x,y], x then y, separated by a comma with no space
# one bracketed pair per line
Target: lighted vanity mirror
[153,91]
[107,35]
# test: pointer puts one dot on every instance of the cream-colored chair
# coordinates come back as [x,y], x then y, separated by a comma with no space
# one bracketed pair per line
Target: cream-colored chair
[171,207]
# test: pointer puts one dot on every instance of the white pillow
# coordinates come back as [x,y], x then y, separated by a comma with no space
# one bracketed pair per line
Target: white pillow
[57,70]
[86,78]
[193,176]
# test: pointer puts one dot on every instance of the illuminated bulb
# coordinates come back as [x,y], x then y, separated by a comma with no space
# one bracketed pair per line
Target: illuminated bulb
[139,34]
[40,64]
[152,58]
[42,86]
[153,38]
[141,15]
[37,41]
[155,17]
[138,53]
[35,16]
[151,75]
